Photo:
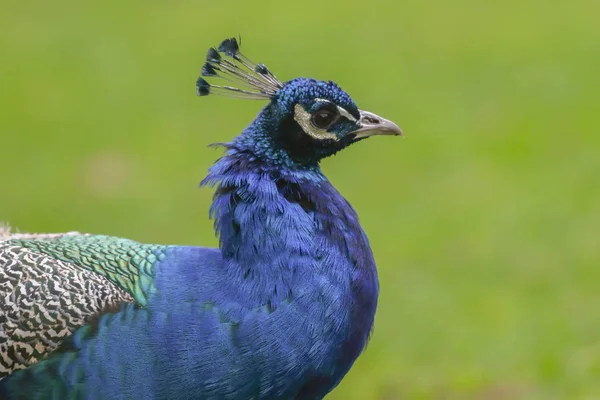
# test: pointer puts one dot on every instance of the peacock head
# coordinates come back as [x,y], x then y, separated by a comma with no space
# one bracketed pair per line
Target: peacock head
[305,120]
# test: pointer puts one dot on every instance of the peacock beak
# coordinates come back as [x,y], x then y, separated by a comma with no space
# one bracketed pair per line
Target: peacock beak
[372,124]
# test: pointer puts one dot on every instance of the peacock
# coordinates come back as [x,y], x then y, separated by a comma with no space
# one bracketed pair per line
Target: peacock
[280,310]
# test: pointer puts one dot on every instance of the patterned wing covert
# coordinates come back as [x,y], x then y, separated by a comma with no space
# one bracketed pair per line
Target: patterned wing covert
[50,286]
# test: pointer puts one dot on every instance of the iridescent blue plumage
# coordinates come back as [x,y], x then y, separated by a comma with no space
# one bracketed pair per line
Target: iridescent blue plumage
[280,311]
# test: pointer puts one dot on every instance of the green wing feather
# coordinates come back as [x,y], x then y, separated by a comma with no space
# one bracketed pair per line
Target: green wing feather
[126,263]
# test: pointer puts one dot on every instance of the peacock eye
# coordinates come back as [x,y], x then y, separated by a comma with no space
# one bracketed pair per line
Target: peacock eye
[323,119]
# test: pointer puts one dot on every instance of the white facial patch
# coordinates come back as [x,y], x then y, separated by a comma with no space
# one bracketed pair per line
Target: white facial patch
[303,118]
[346,114]
[341,110]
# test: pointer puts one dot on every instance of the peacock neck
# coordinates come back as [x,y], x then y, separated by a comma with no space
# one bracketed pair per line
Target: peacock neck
[261,210]
[266,216]
[291,232]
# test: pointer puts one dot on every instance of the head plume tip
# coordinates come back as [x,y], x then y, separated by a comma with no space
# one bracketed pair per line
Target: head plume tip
[261,69]
[229,46]
[202,87]
[208,70]
[213,55]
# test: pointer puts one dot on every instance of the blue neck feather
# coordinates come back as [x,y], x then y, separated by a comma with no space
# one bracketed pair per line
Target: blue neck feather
[284,226]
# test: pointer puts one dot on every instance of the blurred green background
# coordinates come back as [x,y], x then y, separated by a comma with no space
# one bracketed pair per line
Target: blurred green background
[485,221]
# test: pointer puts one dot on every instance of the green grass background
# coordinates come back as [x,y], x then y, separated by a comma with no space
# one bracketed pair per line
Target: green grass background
[485,220]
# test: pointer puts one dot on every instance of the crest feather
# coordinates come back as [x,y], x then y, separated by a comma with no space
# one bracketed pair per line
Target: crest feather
[255,81]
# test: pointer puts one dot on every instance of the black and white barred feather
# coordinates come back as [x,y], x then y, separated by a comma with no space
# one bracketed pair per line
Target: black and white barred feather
[43,300]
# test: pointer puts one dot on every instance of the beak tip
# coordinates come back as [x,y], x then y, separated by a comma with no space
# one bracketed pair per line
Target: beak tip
[372,124]
[396,131]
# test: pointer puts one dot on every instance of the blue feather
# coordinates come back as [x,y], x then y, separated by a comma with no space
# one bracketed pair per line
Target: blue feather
[281,310]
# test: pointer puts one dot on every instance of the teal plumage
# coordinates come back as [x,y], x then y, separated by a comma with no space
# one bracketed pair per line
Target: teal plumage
[48,294]
[281,310]
[125,263]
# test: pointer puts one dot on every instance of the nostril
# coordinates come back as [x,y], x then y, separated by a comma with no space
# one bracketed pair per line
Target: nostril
[372,120]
